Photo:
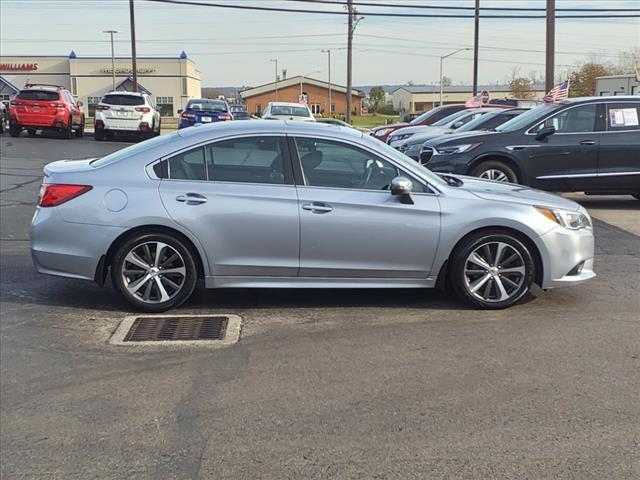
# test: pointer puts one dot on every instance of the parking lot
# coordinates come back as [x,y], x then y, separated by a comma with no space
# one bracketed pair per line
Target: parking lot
[323,383]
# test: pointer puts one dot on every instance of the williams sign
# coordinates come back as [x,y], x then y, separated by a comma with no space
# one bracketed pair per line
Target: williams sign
[17,67]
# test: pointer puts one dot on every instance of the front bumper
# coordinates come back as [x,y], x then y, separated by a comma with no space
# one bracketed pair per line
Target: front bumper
[68,249]
[457,163]
[567,257]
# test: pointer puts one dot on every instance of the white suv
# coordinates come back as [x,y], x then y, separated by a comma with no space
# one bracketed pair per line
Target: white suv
[126,113]
[288,111]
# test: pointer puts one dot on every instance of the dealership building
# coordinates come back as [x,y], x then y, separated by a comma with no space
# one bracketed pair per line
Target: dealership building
[170,81]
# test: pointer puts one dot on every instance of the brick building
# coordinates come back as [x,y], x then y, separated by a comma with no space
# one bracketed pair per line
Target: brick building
[316,93]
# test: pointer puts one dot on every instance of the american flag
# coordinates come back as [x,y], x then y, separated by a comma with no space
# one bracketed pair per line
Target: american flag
[559,92]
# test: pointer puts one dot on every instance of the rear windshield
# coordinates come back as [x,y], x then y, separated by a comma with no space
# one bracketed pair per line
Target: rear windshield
[447,120]
[126,100]
[207,105]
[235,109]
[289,110]
[39,95]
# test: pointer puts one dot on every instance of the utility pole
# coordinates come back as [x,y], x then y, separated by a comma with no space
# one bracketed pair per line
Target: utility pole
[328,51]
[476,37]
[349,60]
[550,56]
[276,62]
[113,61]
[134,67]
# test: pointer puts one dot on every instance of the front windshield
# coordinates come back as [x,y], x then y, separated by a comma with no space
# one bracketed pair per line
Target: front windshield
[478,122]
[289,110]
[447,120]
[403,160]
[527,118]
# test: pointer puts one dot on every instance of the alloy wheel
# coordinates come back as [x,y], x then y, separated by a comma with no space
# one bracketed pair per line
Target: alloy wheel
[495,175]
[494,272]
[153,272]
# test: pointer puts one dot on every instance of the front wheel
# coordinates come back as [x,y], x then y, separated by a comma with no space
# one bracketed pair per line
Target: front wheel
[80,130]
[492,270]
[14,130]
[495,170]
[154,272]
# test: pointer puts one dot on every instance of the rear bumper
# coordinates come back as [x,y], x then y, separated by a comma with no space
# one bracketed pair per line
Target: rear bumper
[567,257]
[38,121]
[68,249]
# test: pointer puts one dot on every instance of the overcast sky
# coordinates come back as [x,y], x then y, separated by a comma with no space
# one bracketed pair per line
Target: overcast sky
[234,47]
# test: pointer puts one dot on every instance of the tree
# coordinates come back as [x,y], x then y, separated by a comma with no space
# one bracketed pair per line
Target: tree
[582,82]
[521,87]
[376,98]
[446,81]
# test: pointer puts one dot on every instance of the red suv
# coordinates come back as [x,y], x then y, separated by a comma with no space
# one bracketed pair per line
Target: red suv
[40,107]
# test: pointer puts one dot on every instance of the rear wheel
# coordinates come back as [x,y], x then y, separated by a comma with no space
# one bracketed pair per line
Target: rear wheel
[31,132]
[80,130]
[154,272]
[14,130]
[65,132]
[492,270]
[495,170]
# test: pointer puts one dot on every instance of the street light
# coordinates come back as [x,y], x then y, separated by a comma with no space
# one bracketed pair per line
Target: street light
[441,59]
[276,62]
[328,52]
[113,62]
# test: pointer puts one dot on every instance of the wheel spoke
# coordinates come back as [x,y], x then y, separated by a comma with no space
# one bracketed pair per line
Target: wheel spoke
[499,251]
[159,249]
[147,252]
[520,270]
[177,270]
[475,286]
[164,296]
[147,291]
[133,287]
[171,283]
[169,260]
[507,280]
[133,258]
[478,260]
[503,292]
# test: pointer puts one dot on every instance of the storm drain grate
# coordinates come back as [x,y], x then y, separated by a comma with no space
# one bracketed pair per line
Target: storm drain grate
[167,329]
[178,330]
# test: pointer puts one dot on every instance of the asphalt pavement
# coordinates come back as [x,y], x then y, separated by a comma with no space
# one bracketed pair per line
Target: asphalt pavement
[323,383]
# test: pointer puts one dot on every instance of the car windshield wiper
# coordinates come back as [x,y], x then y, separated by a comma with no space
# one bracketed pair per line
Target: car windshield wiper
[453,181]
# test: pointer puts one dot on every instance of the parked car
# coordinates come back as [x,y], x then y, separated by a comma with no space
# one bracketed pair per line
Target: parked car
[239,112]
[427,118]
[582,144]
[288,111]
[412,146]
[447,124]
[339,123]
[126,113]
[46,107]
[204,110]
[296,204]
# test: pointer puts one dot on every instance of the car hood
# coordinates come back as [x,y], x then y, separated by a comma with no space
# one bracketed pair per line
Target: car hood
[460,138]
[392,125]
[422,137]
[425,129]
[514,193]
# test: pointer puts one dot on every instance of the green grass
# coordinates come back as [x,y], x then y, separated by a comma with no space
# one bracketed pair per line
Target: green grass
[372,120]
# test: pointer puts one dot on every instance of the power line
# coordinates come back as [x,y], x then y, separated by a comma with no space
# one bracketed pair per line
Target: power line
[376,14]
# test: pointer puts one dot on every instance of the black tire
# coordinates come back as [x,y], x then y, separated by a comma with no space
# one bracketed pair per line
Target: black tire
[178,296]
[637,195]
[80,130]
[159,128]
[99,135]
[485,168]
[65,132]
[462,282]
[14,130]
[31,132]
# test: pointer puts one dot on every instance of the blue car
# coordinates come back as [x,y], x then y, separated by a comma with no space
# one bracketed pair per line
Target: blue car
[204,110]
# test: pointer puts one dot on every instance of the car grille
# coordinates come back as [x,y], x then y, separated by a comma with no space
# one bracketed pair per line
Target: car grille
[426,154]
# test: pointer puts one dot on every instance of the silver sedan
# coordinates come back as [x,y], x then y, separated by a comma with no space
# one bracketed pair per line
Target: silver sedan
[295,205]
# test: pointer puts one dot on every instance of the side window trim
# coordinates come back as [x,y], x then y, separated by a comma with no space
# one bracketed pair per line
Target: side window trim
[302,182]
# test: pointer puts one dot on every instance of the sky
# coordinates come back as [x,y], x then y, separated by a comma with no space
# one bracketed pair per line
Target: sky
[235,47]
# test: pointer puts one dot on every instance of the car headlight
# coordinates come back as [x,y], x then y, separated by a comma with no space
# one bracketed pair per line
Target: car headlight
[567,218]
[457,148]
[382,132]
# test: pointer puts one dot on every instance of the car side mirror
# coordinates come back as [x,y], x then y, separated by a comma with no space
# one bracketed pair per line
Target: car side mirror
[180,111]
[543,133]
[458,124]
[402,187]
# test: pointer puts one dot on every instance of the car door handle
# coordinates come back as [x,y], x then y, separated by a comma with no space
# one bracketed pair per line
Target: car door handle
[192,199]
[317,207]
[588,142]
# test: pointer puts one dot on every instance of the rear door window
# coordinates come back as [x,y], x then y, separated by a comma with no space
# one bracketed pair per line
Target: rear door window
[39,95]
[623,116]
[188,165]
[123,100]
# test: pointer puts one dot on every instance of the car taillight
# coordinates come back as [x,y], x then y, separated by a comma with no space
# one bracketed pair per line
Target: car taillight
[225,117]
[15,102]
[52,195]
[188,115]
[143,109]
[57,105]
[102,107]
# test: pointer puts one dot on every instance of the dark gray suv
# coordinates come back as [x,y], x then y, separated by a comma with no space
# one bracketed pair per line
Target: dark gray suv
[582,144]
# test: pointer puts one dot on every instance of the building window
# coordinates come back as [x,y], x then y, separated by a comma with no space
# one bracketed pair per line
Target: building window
[333,108]
[315,108]
[91,105]
[165,106]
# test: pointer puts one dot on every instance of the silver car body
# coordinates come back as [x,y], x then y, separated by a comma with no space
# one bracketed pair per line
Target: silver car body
[265,235]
